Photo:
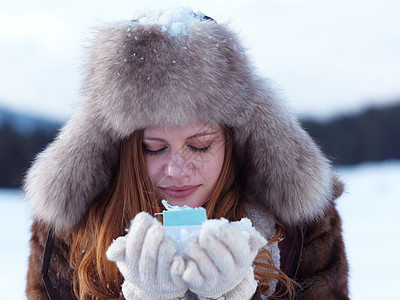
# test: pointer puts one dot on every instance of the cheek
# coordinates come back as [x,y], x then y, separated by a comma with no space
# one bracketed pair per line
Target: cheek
[213,167]
[152,167]
[220,161]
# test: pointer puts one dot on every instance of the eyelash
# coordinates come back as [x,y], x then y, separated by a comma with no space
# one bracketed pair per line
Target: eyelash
[194,149]
[152,153]
[200,150]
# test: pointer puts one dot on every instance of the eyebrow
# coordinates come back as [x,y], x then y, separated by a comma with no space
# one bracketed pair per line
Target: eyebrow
[200,134]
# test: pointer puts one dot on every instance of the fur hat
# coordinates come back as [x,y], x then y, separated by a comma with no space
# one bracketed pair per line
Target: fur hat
[175,69]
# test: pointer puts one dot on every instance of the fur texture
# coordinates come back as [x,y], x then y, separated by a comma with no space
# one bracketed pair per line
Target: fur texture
[60,272]
[153,79]
[323,268]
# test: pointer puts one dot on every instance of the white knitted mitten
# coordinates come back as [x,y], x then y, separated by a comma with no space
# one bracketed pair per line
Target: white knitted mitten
[220,261]
[148,261]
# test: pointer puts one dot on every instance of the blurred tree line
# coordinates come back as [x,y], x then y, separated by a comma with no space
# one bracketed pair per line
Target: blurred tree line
[371,135]
[19,147]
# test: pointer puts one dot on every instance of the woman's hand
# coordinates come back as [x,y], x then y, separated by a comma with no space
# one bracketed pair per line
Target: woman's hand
[148,261]
[220,262]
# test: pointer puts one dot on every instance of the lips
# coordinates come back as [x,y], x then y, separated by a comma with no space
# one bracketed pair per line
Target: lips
[180,191]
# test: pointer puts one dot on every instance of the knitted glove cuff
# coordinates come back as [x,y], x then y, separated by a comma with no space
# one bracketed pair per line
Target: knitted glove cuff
[244,290]
[133,292]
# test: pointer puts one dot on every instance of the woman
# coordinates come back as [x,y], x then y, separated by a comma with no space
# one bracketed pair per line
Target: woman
[173,110]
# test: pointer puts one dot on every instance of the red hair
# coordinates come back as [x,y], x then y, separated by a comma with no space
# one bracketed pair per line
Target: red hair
[95,277]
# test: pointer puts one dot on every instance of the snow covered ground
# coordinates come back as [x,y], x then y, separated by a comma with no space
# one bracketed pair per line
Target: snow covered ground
[371,219]
[14,244]
[370,210]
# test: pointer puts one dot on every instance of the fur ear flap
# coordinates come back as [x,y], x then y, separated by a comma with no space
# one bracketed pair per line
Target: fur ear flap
[67,175]
[282,166]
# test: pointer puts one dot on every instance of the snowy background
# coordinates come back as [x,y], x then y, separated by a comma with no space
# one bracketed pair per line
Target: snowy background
[325,57]
[371,221]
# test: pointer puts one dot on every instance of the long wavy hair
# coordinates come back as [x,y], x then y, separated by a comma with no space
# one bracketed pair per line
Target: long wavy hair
[94,276]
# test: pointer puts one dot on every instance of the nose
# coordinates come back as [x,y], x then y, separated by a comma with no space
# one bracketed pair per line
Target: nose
[178,166]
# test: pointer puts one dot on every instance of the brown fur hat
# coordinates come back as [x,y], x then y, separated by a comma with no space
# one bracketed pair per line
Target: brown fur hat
[142,75]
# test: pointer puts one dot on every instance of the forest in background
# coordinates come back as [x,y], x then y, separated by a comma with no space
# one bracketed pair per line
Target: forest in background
[370,135]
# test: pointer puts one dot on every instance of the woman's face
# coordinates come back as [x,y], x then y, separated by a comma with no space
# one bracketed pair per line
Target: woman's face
[184,163]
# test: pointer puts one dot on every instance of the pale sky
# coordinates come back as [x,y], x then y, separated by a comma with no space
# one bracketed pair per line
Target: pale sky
[324,57]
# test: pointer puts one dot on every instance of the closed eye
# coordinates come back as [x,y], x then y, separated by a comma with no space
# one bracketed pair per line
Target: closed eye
[196,149]
[153,152]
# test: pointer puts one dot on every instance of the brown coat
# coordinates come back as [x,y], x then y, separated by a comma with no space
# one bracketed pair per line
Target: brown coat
[59,272]
[313,255]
